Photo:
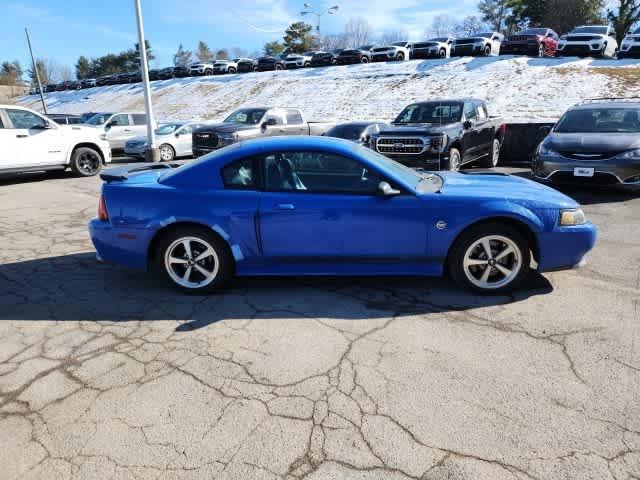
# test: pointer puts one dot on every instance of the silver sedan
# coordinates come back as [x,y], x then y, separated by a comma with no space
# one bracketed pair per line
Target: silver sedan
[173,139]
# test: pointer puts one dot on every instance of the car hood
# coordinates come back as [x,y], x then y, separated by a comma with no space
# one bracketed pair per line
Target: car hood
[227,127]
[592,142]
[411,129]
[499,186]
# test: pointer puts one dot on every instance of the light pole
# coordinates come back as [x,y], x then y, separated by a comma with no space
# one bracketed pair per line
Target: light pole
[307,11]
[35,69]
[152,154]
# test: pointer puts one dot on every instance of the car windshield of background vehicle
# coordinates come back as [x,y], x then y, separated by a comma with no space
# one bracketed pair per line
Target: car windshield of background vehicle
[636,31]
[599,30]
[167,129]
[247,116]
[99,119]
[533,31]
[600,120]
[348,132]
[484,34]
[440,113]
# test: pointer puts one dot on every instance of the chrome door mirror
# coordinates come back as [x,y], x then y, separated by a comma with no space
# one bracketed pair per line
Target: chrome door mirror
[387,190]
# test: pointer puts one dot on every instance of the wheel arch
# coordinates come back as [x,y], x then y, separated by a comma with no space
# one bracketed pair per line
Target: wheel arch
[177,225]
[91,145]
[521,225]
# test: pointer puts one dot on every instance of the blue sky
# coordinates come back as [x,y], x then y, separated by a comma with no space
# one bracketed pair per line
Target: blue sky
[64,30]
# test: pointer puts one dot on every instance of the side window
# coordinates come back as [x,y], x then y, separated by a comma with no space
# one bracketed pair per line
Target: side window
[279,120]
[187,129]
[482,113]
[1,124]
[294,117]
[139,119]
[469,111]
[318,172]
[24,119]
[120,120]
[239,174]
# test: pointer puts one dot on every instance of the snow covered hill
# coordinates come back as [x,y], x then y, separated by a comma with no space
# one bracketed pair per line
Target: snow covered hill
[517,88]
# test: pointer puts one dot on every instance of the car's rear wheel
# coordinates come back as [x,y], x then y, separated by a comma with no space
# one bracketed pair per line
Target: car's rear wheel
[400,56]
[232,70]
[194,260]
[86,162]
[364,59]
[487,50]
[167,153]
[491,160]
[442,53]
[455,160]
[278,67]
[490,258]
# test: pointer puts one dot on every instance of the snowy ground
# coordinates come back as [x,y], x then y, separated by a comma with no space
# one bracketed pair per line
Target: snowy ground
[517,88]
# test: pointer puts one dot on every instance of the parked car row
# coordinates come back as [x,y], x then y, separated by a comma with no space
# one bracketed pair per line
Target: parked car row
[586,40]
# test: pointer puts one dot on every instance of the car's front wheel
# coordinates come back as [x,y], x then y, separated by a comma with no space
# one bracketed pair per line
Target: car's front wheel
[232,70]
[490,258]
[492,158]
[454,162]
[400,56]
[194,260]
[167,153]
[86,162]
[442,53]
[487,50]
[364,59]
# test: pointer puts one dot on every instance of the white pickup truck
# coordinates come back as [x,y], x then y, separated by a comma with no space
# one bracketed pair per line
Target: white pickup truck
[31,142]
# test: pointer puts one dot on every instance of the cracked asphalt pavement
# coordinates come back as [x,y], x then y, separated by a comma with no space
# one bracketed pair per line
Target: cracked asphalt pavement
[106,373]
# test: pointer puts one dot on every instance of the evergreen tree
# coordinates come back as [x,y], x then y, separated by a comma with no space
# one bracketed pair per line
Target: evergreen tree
[273,48]
[83,68]
[11,73]
[298,38]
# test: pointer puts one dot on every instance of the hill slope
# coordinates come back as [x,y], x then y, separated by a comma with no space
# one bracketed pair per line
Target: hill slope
[517,88]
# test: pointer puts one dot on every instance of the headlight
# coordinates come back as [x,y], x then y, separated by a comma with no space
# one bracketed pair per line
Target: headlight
[630,154]
[571,217]
[544,150]
[438,144]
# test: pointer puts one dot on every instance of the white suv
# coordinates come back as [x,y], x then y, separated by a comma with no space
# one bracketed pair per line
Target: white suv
[225,66]
[630,47]
[200,68]
[396,51]
[31,142]
[589,40]
[118,128]
[298,60]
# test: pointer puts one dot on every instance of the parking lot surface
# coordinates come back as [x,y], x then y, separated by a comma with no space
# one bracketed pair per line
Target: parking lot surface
[106,373]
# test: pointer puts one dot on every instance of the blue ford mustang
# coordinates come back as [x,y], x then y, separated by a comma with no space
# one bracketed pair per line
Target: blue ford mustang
[322,206]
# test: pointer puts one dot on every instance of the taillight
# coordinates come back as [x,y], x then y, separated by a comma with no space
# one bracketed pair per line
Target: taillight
[102,210]
[503,128]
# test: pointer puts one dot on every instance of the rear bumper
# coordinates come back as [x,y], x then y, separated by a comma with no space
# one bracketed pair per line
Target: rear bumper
[120,246]
[564,248]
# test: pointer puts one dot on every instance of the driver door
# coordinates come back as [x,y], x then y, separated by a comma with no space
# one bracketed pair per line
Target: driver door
[323,209]
[39,141]
[119,130]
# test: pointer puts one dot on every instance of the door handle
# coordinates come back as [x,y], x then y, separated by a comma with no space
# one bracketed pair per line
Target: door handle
[21,136]
[127,130]
[282,130]
[285,206]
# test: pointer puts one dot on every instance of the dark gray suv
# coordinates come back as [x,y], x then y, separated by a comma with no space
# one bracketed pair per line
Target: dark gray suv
[594,143]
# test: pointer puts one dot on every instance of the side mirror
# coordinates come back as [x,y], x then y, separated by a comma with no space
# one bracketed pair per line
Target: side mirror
[108,125]
[387,190]
[177,135]
[268,123]
[365,139]
[467,124]
[544,130]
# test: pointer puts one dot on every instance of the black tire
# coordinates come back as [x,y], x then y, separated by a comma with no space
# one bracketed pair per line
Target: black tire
[232,70]
[166,153]
[442,53]
[220,263]
[278,67]
[307,64]
[208,72]
[364,59]
[454,162]
[400,56]
[86,162]
[464,246]
[492,159]
[487,51]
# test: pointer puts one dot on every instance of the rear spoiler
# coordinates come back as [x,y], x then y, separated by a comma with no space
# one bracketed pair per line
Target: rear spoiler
[122,173]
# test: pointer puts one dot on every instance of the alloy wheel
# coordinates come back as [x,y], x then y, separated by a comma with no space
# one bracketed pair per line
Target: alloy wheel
[492,261]
[191,262]
[166,153]
[89,162]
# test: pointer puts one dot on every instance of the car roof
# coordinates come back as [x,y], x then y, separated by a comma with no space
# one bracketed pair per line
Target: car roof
[609,104]
[450,100]
[358,123]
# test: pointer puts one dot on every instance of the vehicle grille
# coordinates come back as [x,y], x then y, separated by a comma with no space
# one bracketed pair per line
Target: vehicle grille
[465,41]
[401,145]
[599,178]
[588,156]
[379,49]
[521,38]
[205,140]
[581,38]
[425,45]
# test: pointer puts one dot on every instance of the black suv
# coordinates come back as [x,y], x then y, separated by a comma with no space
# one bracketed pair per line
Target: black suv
[180,71]
[325,59]
[246,65]
[355,55]
[270,63]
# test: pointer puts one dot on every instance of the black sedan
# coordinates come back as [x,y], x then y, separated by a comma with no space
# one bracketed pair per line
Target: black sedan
[355,55]
[359,132]
[325,59]
[594,143]
[180,71]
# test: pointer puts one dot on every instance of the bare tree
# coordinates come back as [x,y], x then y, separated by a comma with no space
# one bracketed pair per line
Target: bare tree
[469,25]
[441,26]
[330,42]
[237,52]
[65,73]
[357,32]
[391,36]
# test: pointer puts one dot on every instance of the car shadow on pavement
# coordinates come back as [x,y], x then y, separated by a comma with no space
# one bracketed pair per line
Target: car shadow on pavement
[589,195]
[78,288]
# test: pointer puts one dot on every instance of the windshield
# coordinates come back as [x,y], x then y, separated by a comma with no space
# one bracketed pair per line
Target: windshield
[533,31]
[484,34]
[599,30]
[99,119]
[247,116]
[636,31]
[601,120]
[422,182]
[399,44]
[439,39]
[432,112]
[168,128]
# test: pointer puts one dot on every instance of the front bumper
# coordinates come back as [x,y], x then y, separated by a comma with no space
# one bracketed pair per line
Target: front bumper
[579,48]
[292,65]
[196,71]
[383,57]
[432,52]
[519,48]
[349,60]
[610,172]
[633,51]
[467,50]
[564,248]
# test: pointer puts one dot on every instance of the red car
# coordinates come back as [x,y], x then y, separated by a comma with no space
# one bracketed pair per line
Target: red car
[537,42]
